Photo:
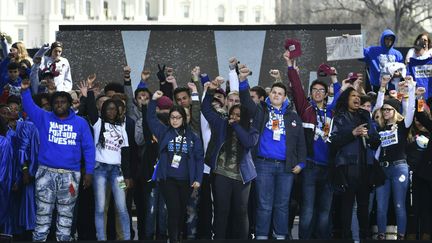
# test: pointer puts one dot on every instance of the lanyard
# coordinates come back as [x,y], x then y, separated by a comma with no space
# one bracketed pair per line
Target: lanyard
[320,117]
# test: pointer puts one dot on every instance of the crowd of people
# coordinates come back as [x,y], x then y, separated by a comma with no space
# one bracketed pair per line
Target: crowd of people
[205,162]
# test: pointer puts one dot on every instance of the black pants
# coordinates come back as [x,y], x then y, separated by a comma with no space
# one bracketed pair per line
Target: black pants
[205,209]
[231,195]
[425,209]
[177,194]
[86,207]
[358,189]
[141,191]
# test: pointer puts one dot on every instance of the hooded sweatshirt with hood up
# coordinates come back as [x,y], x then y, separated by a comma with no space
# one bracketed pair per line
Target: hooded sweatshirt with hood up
[378,56]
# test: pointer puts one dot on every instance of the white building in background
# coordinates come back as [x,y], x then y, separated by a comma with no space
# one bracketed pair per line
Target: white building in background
[35,21]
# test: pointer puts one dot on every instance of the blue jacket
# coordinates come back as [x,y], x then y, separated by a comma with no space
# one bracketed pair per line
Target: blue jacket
[295,153]
[372,55]
[164,134]
[219,125]
[62,142]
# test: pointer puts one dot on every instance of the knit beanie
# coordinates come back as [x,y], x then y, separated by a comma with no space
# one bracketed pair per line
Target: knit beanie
[164,103]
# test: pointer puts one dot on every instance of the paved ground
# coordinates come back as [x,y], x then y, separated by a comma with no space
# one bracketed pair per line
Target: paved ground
[294,231]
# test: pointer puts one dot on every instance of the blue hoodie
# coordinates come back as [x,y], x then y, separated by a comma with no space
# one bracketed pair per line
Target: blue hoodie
[62,142]
[373,54]
[267,146]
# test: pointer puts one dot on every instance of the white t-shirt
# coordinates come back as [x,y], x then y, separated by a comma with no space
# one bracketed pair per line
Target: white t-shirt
[115,139]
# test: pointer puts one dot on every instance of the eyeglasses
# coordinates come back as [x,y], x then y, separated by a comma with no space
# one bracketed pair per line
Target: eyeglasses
[176,117]
[386,109]
[315,90]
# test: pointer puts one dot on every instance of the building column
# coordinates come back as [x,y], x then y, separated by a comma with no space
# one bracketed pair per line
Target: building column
[80,10]
[118,10]
[161,7]
[140,10]
[100,10]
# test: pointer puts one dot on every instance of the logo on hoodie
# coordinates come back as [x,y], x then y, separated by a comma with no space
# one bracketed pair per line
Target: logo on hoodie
[61,134]
[385,59]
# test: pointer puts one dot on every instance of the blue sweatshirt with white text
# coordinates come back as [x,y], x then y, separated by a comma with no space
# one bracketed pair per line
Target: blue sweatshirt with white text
[62,141]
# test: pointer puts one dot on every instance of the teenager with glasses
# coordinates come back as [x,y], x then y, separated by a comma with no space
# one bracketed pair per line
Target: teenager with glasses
[316,115]
[181,162]
[393,128]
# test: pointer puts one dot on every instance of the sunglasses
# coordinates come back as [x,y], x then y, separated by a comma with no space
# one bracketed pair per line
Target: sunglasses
[386,109]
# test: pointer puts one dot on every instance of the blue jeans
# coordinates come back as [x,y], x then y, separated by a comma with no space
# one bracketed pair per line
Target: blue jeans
[397,182]
[104,173]
[316,202]
[55,188]
[156,211]
[273,190]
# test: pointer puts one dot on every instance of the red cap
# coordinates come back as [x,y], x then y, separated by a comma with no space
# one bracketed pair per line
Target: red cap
[294,47]
[352,76]
[324,70]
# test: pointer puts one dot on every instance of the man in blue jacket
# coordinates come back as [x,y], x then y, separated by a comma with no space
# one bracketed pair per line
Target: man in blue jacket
[376,57]
[64,138]
[278,156]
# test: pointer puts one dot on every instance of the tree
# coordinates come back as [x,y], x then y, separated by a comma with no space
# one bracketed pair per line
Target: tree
[404,17]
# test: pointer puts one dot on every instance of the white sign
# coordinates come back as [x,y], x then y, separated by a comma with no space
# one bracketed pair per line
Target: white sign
[423,71]
[344,47]
[388,138]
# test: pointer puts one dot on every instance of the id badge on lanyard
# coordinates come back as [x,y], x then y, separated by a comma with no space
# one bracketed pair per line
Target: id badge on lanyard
[276,128]
[175,163]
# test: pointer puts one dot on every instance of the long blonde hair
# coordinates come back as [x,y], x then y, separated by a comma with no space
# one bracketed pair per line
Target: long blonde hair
[22,52]
[397,117]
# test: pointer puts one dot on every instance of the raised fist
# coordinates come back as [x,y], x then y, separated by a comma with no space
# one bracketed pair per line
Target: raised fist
[126,70]
[157,95]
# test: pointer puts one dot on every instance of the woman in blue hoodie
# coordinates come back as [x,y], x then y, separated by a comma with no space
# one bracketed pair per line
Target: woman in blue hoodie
[232,164]
[181,162]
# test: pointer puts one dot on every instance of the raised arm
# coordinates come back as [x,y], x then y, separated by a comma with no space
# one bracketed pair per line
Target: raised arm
[127,82]
[34,77]
[302,105]
[381,93]
[244,94]
[4,46]
[208,111]
[233,77]
[409,110]
[44,48]
[33,111]
[145,126]
[156,126]
[195,111]
[89,107]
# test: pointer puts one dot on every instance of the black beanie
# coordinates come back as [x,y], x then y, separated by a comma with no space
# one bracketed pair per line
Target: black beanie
[395,103]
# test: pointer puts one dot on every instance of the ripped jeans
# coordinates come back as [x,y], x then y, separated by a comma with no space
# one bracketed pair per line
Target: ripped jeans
[55,188]
[397,183]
